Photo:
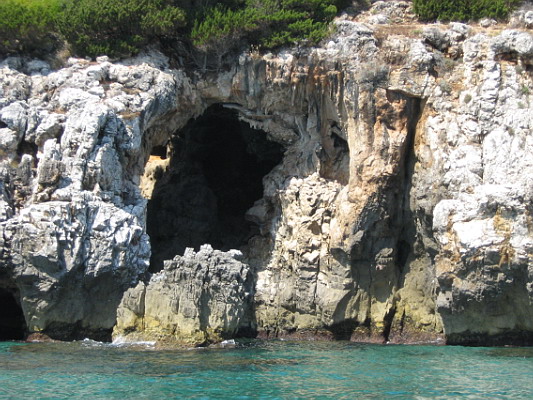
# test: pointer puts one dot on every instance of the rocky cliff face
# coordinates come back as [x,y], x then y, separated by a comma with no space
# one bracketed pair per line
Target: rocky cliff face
[197,298]
[378,188]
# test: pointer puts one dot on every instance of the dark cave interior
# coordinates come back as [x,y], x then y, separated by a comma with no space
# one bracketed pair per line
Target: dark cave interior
[215,174]
[12,322]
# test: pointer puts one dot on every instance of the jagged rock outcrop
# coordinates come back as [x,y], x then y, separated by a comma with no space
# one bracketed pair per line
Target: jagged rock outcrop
[197,298]
[400,209]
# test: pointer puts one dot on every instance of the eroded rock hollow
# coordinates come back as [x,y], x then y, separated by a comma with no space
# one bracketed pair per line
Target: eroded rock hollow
[209,177]
[375,188]
[12,323]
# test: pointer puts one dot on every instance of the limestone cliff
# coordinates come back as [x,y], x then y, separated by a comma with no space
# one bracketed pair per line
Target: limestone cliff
[379,188]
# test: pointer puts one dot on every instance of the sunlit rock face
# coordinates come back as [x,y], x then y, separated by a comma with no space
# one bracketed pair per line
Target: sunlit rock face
[198,298]
[375,188]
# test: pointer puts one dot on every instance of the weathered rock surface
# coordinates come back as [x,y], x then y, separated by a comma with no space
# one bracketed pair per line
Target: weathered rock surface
[197,298]
[401,209]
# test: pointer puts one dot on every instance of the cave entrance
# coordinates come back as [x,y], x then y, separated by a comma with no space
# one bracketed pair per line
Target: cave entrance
[12,322]
[211,174]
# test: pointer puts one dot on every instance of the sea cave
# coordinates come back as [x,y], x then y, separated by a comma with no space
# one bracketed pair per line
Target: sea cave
[204,180]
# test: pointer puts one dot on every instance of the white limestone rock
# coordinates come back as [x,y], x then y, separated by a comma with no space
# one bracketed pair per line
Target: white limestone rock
[401,206]
[196,299]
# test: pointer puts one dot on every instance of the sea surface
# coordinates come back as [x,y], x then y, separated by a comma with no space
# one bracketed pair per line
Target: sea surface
[263,370]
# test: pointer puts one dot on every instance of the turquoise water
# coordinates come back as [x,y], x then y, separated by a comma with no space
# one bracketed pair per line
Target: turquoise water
[264,370]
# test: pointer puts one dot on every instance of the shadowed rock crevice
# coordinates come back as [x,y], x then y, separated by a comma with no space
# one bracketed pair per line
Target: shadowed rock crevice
[217,164]
[408,233]
[12,322]
[343,330]
[414,246]
[30,148]
[395,263]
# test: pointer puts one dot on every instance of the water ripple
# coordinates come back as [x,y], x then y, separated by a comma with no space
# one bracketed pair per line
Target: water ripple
[264,370]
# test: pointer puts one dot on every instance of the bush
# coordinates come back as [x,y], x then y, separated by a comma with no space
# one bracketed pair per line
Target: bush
[463,10]
[296,21]
[266,23]
[26,26]
[117,27]
[222,25]
[123,27]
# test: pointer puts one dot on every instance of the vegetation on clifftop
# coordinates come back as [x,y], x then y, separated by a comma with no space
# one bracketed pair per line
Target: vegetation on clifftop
[27,26]
[268,23]
[122,27]
[95,27]
[463,10]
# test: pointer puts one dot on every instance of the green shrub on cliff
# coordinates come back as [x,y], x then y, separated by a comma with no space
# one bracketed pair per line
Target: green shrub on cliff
[265,23]
[463,10]
[268,23]
[123,27]
[297,21]
[222,25]
[117,27]
[27,26]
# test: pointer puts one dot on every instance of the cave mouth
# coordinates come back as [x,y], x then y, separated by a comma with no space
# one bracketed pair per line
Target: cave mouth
[212,174]
[12,322]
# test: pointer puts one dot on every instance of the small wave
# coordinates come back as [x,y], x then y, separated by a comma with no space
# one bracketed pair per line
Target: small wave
[92,343]
[120,341]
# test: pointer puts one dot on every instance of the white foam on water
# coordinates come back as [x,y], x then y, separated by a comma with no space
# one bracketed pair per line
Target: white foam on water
[120,341]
